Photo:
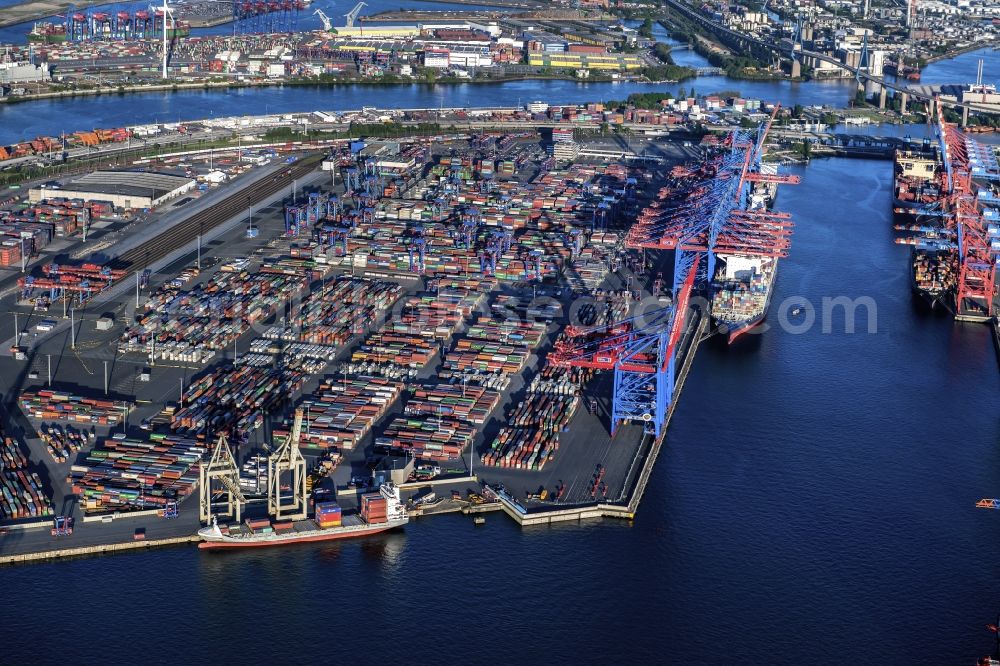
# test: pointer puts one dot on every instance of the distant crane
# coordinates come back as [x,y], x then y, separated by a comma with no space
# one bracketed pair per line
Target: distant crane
[326,20]
[353,14]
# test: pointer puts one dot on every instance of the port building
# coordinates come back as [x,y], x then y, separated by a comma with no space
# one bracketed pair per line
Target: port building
[125,189]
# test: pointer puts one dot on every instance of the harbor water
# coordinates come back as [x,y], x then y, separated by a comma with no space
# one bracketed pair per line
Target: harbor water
[814,503]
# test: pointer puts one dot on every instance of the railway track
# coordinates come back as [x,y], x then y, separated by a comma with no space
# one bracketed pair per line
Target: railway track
[138,258]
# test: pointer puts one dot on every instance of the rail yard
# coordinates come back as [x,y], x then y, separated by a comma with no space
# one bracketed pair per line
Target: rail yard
[370,331]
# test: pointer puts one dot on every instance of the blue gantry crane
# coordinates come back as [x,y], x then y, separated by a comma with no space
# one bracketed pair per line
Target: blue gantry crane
[709,214]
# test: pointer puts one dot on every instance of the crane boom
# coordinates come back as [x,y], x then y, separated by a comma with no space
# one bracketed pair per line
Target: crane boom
[327,22]
[352,15]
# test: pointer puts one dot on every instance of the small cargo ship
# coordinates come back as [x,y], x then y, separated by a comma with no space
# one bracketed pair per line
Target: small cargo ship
[379,512]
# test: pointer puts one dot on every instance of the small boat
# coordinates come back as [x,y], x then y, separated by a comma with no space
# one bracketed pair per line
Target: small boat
[797,311]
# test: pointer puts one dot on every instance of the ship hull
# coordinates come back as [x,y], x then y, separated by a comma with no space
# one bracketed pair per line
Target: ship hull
[741,330]
[46,39]
[736,330]
[211,542]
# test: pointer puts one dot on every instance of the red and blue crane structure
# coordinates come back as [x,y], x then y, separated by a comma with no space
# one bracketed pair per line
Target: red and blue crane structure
[977,236]
[969,224]
[710,214]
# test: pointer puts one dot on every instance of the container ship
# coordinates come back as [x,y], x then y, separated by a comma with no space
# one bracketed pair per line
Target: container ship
[916,191]
[379,512]
[932,275]
[55,33]
[915,178]
[47,33]
[742,286]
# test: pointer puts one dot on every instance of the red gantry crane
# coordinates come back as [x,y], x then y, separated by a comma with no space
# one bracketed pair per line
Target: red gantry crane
[963,201]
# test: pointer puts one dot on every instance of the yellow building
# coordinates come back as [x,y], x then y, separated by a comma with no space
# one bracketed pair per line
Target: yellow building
[584,61]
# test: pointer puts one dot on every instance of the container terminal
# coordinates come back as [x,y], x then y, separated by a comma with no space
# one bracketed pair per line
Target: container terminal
[946,201]
[488,321]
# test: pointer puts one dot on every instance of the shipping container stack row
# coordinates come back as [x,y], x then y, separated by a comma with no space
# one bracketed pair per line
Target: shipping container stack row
[439,422]
[304,357]
[482,284]
[588,269]
[21,492]
[48,144]
[200,320]
[20,240]
[342,411]
[227,397]
[48,405]
[128,474]
[514,331]
[338,310]
[438,315]
[532,433]
[64,216]
[474,354]
[310,267]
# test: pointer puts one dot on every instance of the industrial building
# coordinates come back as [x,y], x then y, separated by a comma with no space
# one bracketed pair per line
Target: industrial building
[16,72]
[584,61]
[124,189]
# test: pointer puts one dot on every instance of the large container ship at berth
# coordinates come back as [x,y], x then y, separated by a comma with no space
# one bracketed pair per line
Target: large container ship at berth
[47,33]
[742,286]
[379,512]
[932,275]
[917,193]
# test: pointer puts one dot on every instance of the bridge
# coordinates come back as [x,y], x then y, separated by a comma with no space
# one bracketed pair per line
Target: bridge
[748,43]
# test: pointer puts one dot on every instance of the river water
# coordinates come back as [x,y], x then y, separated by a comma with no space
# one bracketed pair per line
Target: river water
[814,502]
[19,122]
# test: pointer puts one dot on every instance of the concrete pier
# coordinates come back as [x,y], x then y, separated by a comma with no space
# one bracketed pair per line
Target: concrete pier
[649,451]
[94,550]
